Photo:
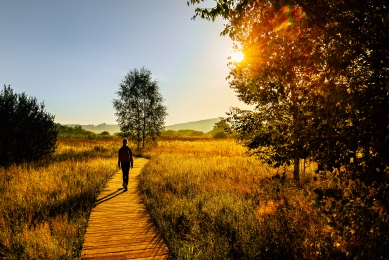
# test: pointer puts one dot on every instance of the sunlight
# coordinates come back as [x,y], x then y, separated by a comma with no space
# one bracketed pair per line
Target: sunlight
[237,56]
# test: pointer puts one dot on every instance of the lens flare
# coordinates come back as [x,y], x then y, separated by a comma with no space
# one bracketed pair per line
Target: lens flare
[289,21]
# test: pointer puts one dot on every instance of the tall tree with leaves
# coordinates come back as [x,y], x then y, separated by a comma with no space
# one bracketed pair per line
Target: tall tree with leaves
[273,77]
[346,107]
[28,132]
[351,121]
[139,108]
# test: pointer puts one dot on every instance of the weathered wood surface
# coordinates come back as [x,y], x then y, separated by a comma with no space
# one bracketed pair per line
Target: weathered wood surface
[119,226]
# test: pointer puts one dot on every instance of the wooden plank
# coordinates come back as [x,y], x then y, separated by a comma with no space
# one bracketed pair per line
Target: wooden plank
[122,239]
[145,254]
[119,226]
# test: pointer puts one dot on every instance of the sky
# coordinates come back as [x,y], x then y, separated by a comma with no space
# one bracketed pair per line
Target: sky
[72,55]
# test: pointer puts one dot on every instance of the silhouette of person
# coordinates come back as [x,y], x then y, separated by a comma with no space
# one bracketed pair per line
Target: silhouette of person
[125,161]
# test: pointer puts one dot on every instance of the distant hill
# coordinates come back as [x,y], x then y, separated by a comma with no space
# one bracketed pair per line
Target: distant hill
[101,128]
[202,125]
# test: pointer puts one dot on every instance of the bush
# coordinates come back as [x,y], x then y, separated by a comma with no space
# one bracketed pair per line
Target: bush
[220,135]
[196,133]
[105,133]
[181,133]
[170,134]
[190,132]
[77,131]
[28,132]
[220,130]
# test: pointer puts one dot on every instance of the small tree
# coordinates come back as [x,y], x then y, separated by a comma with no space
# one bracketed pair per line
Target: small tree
[141,114]
[28,132]
[221,129]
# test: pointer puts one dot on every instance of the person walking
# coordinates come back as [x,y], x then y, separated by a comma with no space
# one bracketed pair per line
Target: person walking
[125,161]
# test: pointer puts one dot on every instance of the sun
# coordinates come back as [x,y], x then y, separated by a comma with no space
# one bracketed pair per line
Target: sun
[237,56]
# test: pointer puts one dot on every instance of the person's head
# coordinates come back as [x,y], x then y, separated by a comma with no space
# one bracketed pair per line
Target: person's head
[124,141]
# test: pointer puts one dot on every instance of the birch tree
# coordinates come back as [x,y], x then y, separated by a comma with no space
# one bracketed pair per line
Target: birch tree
[139,108]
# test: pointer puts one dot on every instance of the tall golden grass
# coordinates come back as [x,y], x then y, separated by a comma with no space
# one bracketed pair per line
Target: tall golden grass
[44,206]
[211,201]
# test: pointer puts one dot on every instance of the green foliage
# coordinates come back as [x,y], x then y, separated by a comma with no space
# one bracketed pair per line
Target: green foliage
[358,214]
[273,77]
[139,108]
[77,131]
[28,132]
[220,135]
[221,129]
[181,133]
[191,133]
[319,81]
[188,132]
[105,133]
[170,134]
[74,132]
[350,126]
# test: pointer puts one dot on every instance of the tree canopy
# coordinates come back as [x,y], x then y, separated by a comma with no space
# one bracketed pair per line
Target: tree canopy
[139,108]
[28,132]
[317,73]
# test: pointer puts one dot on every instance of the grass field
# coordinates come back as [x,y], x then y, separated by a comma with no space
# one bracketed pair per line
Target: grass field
[211,201]
[44,206]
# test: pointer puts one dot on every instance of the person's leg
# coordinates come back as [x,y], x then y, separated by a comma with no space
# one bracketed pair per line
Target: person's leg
[127,173]
[124,174]
[126,168]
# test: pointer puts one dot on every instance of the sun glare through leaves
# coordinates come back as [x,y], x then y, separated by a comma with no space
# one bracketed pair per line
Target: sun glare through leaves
[237,56]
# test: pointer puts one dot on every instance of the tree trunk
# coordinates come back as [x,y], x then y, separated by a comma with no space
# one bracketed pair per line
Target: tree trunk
[296,159]
[144,130]
[144,121]
[296,169]
[138,139]
[138,122]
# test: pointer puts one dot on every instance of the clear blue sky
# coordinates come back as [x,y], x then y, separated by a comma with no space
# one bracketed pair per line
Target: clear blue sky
[73,55]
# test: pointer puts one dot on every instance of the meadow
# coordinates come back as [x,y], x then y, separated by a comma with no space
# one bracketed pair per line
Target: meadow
[211,201]
[44,206]
[206,196]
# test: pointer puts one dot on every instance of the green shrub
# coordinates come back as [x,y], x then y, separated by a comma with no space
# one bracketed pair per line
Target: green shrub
[28,132]
[105,133]
[220,135]
[181,133]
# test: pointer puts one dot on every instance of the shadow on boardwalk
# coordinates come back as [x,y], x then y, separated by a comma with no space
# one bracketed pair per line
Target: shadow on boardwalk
[109,196]
[120,227]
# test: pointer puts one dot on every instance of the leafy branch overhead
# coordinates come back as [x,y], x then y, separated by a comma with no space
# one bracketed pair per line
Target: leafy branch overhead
[317,73]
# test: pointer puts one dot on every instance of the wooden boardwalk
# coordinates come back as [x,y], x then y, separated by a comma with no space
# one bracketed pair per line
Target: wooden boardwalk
[119,226]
